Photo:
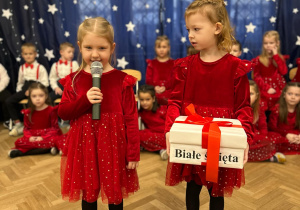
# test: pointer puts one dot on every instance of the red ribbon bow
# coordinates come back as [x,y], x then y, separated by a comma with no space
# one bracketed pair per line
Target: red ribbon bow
[61,61]
[28,65]
[211,138]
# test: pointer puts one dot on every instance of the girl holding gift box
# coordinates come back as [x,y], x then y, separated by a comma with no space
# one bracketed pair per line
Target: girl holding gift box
[262,147]
[100,156]
[217,84]
[285,119]
[159,70]
[270,69]
[153,116]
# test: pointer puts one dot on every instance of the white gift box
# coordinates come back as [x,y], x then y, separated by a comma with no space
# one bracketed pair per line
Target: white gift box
[186,140]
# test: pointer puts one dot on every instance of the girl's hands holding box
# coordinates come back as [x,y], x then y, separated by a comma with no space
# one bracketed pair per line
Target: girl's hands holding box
[94,95]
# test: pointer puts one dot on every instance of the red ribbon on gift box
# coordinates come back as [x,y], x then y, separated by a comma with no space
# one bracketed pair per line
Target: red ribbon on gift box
[211,138]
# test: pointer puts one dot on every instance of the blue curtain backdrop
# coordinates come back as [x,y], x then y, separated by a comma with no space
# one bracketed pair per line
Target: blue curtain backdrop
[48,23]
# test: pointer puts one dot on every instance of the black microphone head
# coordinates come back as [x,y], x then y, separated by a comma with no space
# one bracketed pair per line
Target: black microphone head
[96,68]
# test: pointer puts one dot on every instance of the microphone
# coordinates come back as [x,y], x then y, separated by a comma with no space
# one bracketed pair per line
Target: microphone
[96,70]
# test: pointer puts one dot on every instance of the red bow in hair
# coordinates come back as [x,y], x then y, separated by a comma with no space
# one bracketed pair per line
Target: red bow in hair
[28,65]
[65,62]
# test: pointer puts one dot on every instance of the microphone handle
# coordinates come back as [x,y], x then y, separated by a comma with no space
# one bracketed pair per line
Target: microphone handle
[96,107]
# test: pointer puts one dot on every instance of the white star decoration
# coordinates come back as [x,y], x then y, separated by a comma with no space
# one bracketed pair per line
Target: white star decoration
[250,27]
[23,37]
[295,10]
[114,8]
[49,54]
[291,65]
[272,19]
[18,59]
[52,8]
[147,6]
[225,2]
[157,31]
[87,17]
[298,40]
[183,39]
[168,20]
[67,33]
[41,20]
[138,45]
[6,13]
[122,62]
[130,26]
[1,39]
[75,2]
[245,50]
[26,7]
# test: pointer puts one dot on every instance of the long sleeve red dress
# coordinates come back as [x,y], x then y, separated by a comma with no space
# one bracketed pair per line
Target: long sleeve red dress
[160,74]
[97,151]
[153,138]
[282,143]
[217,89]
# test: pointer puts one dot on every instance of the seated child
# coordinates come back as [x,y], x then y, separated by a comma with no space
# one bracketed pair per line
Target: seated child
[153,116]
[236,49]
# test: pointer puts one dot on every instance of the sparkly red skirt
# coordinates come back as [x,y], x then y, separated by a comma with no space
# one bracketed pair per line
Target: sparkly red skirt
[152,141]
[94,163]
[261,149]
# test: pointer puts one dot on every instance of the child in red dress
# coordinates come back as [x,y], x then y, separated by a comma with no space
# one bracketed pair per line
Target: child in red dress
[285,119]
[262,148]
[159,70]
[217,84]
[101,156]
[153,116]
[269,70]
[297,76]
[40,125]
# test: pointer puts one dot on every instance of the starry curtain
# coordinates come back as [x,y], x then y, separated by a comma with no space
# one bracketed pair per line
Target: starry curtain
[137,23]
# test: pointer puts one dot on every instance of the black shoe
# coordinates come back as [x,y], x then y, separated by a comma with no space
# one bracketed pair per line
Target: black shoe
[15,153]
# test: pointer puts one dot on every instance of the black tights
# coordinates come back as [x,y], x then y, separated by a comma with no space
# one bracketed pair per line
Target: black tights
[93,206]
[192,198]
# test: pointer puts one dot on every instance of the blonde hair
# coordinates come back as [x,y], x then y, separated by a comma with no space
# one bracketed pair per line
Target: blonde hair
[283,110]
[100,27]
[28,45]
[64,45]
[255,106]
[161,39]
[216,12]
[263,57]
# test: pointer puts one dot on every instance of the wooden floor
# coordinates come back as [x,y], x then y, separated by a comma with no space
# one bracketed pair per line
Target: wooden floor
[33,182]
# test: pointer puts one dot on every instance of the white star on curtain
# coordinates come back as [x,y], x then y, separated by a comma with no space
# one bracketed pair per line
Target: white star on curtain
[52,8]
[130,26]
[122,62]
[41,20]
[49,54]
[250,27]
[6,13]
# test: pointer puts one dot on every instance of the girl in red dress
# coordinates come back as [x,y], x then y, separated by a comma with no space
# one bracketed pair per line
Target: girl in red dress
[100,156]
[217,84]
[262,148]
[153,116]
[285,119]
[269,70]
[159,70]
[41,130]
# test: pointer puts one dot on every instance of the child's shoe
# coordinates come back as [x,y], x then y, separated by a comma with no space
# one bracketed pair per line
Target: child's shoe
[163,154]
[15,153]
[8,124]
[278,158]
[16,130]
[54,151]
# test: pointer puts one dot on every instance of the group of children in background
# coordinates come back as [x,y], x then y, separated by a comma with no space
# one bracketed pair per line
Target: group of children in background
[102,156]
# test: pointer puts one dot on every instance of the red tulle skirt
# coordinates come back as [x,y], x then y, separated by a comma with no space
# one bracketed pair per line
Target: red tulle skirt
[261,149]
[152,141]
[228,178]
[94,160]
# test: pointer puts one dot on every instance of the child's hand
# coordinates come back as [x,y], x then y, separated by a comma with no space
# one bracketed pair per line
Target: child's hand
[292,138]
[27,93]
[168,142]
[157,89]
[58,91]
[162,89]
[271,91]
[132,165]
[246,151]
[275,50]
[35,138]
[94,95]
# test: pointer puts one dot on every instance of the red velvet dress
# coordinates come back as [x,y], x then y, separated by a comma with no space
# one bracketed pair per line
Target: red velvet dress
[297,76]
[262,147]
[153,138]
[282,143]
[97,151]
[217,89]
[270,77]
[43,123]
[160,74]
